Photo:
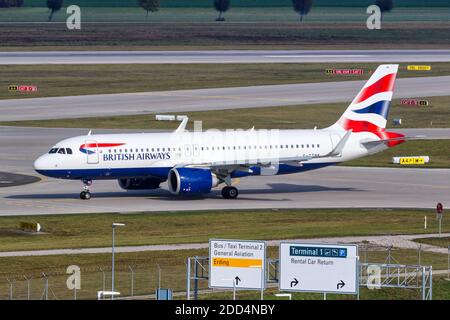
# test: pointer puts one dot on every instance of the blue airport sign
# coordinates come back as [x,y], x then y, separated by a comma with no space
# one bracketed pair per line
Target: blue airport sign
[329,252]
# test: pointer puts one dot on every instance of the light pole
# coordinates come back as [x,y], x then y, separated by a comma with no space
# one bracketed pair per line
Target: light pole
[114,225]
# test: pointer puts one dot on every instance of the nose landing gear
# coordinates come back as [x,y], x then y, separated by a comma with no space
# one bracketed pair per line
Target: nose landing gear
[86,194]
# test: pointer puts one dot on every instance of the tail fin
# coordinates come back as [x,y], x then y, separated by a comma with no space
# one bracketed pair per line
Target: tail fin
[369,110]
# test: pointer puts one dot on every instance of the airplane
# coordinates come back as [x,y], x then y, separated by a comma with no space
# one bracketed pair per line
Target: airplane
[198,161]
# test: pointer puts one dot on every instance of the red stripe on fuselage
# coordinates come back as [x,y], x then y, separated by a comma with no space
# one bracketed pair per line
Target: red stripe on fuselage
[100,145]
[385,84]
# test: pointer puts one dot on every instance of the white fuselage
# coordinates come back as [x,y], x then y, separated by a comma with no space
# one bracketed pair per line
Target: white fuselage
[113,156]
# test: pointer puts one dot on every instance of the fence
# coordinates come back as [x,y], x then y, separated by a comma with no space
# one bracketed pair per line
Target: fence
[130,280]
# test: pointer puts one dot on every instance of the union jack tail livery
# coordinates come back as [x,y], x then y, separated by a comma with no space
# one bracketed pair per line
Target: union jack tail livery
[369,111]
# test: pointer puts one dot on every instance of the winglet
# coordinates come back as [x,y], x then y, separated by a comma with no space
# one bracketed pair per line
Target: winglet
[182,125]
[337,151]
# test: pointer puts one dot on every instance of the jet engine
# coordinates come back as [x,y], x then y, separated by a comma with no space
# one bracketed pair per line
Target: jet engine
[191,180]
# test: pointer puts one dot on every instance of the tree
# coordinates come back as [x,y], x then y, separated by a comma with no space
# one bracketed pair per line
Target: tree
[54,5]
[11,3]
[149,5]
[302,7]
[385,6]
[221,6]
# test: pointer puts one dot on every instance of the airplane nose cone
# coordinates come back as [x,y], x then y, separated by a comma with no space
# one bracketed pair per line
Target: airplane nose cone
[40,164]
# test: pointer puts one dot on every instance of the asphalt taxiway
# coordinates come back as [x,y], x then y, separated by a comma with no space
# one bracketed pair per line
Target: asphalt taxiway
[325,188]
[221,56]
[405,241]
[207,99]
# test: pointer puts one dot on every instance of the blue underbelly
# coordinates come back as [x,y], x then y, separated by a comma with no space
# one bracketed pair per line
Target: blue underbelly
[162,172]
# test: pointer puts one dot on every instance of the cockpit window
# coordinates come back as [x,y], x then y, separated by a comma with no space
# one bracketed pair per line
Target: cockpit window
[62,151]
[53,150]
[69,151]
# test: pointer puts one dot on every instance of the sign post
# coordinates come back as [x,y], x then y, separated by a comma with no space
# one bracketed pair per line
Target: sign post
[326,268]
[237,264]
[439,215]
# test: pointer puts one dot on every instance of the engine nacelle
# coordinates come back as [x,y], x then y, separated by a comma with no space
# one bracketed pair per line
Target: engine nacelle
[191,180]
[139,183]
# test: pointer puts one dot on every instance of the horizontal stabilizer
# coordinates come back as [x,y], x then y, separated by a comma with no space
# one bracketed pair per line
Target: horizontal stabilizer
[371,144]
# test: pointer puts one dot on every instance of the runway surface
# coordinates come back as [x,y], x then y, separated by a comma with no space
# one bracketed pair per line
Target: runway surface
[328,187]
[222,56]
[8,179]
[207,99]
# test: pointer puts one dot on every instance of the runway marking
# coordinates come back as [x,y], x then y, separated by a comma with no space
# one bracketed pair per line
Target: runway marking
[319,56]
[392,183]
[231,97]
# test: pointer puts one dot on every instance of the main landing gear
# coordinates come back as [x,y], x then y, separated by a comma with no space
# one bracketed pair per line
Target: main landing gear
[229,192]
[86,194]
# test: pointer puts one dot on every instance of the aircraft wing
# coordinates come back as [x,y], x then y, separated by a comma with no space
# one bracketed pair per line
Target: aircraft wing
[244,165]
[225,166]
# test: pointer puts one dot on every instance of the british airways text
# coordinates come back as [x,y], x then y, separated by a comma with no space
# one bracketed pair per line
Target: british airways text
[137,156]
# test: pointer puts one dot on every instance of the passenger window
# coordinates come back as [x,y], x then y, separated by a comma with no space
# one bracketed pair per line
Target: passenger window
[69,151]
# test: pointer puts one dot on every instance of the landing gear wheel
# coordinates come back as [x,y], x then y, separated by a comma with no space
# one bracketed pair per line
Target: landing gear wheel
[85,195]
[230,192]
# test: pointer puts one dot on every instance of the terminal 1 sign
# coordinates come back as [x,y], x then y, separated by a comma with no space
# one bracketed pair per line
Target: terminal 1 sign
[238,264]
[328,268]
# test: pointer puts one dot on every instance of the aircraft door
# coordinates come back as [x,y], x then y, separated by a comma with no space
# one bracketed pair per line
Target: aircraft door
[91,147]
